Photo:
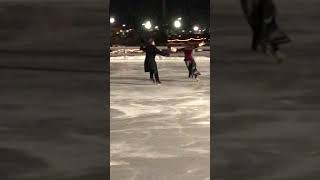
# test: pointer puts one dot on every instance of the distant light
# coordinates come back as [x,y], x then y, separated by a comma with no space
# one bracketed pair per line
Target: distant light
[177,24]
[112,20]
[156,27]
[196,28]
[183,30]
[148,25]
[123,25]
[179,19]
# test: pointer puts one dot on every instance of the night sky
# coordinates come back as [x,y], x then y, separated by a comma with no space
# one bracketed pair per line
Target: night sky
[136,12]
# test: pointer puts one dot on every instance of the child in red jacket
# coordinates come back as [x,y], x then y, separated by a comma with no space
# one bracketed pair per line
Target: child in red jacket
[189,60]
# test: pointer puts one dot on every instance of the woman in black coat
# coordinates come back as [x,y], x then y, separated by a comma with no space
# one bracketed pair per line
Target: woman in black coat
[261,16]
[150,64]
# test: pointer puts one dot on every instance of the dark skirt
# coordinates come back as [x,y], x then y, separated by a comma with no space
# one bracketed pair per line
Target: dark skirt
[150,65]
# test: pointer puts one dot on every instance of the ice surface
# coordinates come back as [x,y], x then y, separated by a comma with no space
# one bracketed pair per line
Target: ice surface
[159,132]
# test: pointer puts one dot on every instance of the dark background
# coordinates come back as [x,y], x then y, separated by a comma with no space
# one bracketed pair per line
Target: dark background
[53,90]
[136,12]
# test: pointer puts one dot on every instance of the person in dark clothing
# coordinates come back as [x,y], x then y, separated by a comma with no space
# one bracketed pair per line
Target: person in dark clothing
[189,60]
[150,64]
[261,16]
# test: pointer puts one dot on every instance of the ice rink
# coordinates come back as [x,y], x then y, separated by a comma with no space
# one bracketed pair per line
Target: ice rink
[159,132]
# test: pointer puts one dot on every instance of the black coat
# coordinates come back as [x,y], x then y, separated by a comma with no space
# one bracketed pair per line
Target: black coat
[150,63]
[261,15]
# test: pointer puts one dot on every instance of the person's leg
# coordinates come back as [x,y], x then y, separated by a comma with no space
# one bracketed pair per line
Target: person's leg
[253,15]
[195,70]
[273,36]
[157,78]
[194,65]
[190,69]
[266,17]
[151,75]
[187,66]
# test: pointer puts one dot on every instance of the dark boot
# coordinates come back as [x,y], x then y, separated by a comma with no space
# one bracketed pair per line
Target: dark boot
[157,79]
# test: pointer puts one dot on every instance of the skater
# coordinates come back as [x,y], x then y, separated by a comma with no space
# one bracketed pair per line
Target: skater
[261,16]
[189,60]
[150,64]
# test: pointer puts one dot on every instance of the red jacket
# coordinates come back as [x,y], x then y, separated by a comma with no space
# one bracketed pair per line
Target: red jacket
[187,53]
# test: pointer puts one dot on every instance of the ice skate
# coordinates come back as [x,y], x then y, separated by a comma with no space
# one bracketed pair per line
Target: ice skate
[280,57]
[276,55]
[196,77]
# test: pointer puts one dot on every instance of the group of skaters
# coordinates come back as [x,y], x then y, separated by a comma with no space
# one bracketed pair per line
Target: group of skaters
[266,37]
[150,64]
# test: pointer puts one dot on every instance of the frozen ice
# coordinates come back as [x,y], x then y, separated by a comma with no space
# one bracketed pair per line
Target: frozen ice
[159,132]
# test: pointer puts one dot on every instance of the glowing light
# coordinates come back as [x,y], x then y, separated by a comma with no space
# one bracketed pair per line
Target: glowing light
[112,20]
[179,19]
[177,24]
[196,28]
[156,27]
[148,25]
[123,25]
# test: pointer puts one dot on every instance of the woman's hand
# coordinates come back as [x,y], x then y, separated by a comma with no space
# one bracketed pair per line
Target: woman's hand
[202,44]
[173,49]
